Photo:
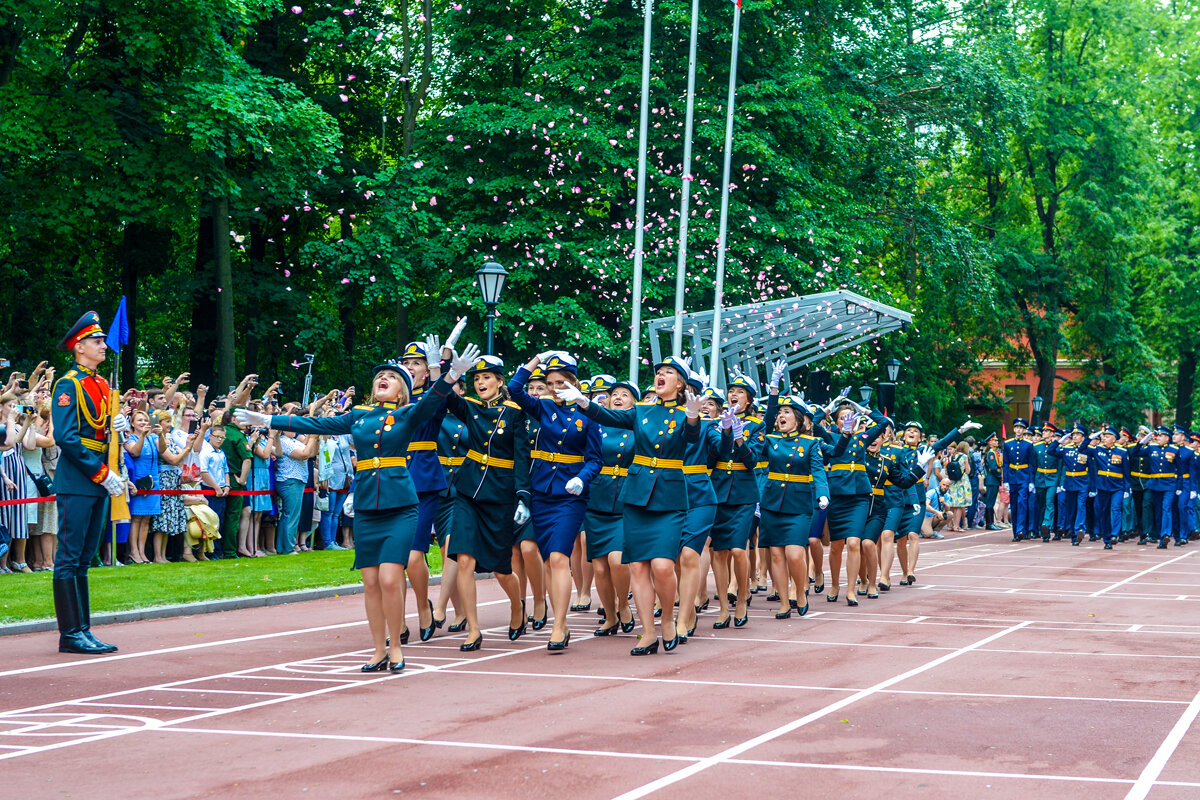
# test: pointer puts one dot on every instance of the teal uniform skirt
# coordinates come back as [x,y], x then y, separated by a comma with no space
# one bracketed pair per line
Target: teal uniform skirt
[784,528]
[652,534]
[847,516]
[605,534]
[731,528]
[876,517]
[483,531]
[444,520]
[383,537]
[698,528]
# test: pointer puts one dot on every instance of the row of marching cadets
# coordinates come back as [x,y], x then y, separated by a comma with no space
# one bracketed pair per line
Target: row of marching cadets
[1106,485]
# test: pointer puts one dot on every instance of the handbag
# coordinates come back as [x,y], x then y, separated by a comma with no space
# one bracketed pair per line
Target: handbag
[44,485]
[322,501]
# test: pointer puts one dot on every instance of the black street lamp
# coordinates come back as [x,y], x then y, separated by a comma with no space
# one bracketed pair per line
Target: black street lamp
[887,389]
[865,392]
[1037,408]
[893,369]
[491,277]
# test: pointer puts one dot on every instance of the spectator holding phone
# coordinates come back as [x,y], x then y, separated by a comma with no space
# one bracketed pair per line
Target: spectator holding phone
[143,456]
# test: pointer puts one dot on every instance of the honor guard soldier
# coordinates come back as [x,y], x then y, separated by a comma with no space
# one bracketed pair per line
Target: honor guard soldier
[993,476]
[1045,474]
[1018,476]
[1161,480]
[83,483]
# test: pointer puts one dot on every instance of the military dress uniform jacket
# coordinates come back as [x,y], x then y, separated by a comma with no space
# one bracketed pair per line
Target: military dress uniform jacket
[733,477]
[381,434]
[660,435]
[698,462]
[1112,467]
[424,466]
[80,414]
[496,469]
[795,473]
[1184,458]
[1139,467]
[1019,464]
[566,444]
[616,454]
[1075,465]
[845,462]
[1163,476]
[451,449]
[905,478]
[993,473]
[1045,475]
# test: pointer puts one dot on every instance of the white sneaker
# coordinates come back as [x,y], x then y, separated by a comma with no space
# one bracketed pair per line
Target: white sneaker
[335,546]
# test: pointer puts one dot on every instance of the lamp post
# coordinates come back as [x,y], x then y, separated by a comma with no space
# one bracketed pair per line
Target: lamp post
[887,389]
[491,277]
[1037,408]
[864,393]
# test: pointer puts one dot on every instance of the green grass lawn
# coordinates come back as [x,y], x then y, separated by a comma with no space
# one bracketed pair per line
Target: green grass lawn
[28,597]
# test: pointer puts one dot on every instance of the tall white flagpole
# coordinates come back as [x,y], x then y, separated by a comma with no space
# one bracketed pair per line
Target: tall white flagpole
[686,191]
[635,328]
[716,376]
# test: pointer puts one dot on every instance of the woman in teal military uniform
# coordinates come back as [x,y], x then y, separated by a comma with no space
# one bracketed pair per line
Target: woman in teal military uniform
[605,536]
[385,499]
[794,488]
[564,460]
[736,487]
[492,494]
[655,494]
[702,511]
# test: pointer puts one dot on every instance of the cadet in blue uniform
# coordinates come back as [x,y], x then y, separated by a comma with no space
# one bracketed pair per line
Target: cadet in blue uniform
[565,459]
[491,494]
[528,565]
[993,476]
[1070,450]
[1044,479]
[1161,480]
[702,512]
[428,476]
[794,488]
[1181,512]
[1019,466]
[79,410]
[736,488]
[605,536]
[385,498]
[452,452]
[1112,482]
[655,493]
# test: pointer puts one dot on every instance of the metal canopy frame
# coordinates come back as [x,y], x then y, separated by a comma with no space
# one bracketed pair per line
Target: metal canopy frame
[800,329]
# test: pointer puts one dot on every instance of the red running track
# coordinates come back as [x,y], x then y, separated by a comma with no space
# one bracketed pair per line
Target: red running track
[1008,671]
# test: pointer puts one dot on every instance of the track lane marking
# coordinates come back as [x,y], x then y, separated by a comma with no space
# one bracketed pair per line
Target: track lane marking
[1134,577]
[1149,776]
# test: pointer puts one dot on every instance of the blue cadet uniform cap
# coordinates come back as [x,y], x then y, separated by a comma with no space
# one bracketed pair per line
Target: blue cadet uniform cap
[561,362]
[1024,423]
[489,364]
[586,387]
[991,437]
[712,394]
[87,327]
[414,350]
[745,382]
[1110,430]
[1077,428]
[1162,430]
[602,383]
[791,401]
[1179,429]
[649,390]
[695,382]
[1126,432]
[1034,429]
[399,369]
[676,364]
[914,424]
[538,374]
[633,390]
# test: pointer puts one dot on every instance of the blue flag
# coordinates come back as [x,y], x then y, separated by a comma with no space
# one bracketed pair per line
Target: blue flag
[118,332]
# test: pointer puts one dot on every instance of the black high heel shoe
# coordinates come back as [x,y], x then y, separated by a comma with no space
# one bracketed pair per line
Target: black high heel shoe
[793,603]
[721,624]
[378,666]
[399,667]
[832,598]
[669,644]
[538,624]
[658,613]
[785,615]
[516,633]
[458,627]
[874,596]
[467,647]
[703,606]
[773,597]
[439,623]
[609,631]
[885,587]
[427,633]
[558,647]
[648,650]
[850,601]
[627,627]
[403,638]
[911,579]
[804,608]
[819,588]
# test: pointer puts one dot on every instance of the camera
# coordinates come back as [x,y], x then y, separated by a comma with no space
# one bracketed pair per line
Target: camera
[26,409]
[193,426]
[23,384]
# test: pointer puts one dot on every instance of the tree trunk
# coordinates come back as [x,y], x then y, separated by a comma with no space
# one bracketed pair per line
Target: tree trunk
[224,286]
[1185,385]
[142,249]
[258,254]
[204,304]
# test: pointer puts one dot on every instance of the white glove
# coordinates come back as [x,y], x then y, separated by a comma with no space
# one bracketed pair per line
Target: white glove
[571,394]
[1060,490]
[1004,486]
[739,429]
[452,340]
[1194,495]
[521,515]
[727,418]
[924,456]
[692,405]
[251,419]
[1030,487]
[1091,494]
[574,486]
[969,426]
[777,371]
[1127,495]
[113,484]
[861,409]
[546,356]
[1178,492]
[916,507]
[822,502]
[461,363]
[120,423]
[433,351]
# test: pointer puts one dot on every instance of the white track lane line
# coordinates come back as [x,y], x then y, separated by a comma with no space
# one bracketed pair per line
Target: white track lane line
[1131,578]
[749,744]
[1149,776]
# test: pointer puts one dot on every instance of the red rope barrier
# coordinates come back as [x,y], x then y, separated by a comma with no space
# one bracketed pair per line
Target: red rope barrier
[208,492]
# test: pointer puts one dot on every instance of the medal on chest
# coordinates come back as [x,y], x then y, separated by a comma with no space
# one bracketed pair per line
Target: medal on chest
[388,422]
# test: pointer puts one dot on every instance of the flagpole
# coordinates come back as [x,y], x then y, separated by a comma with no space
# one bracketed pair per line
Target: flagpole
[635,332]
[685,200]
[718,377]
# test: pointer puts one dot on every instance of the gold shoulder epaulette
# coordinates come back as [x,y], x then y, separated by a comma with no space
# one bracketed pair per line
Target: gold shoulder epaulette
[755,420]
[363,408]
[512,404]
[647,402]
[473,400]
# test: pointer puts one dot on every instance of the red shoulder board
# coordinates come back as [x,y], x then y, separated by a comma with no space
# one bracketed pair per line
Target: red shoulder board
[64,399]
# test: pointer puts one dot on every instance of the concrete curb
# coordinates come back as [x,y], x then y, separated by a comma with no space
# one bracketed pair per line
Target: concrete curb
[205,607]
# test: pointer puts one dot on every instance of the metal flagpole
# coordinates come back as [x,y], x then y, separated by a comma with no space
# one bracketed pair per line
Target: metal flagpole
[717,377]
[635,333]
[685,200]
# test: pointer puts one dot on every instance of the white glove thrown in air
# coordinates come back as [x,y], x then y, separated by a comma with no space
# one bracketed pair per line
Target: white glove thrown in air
[452,340]
[574,486]
[463,362]
[969,426]
[777,371]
